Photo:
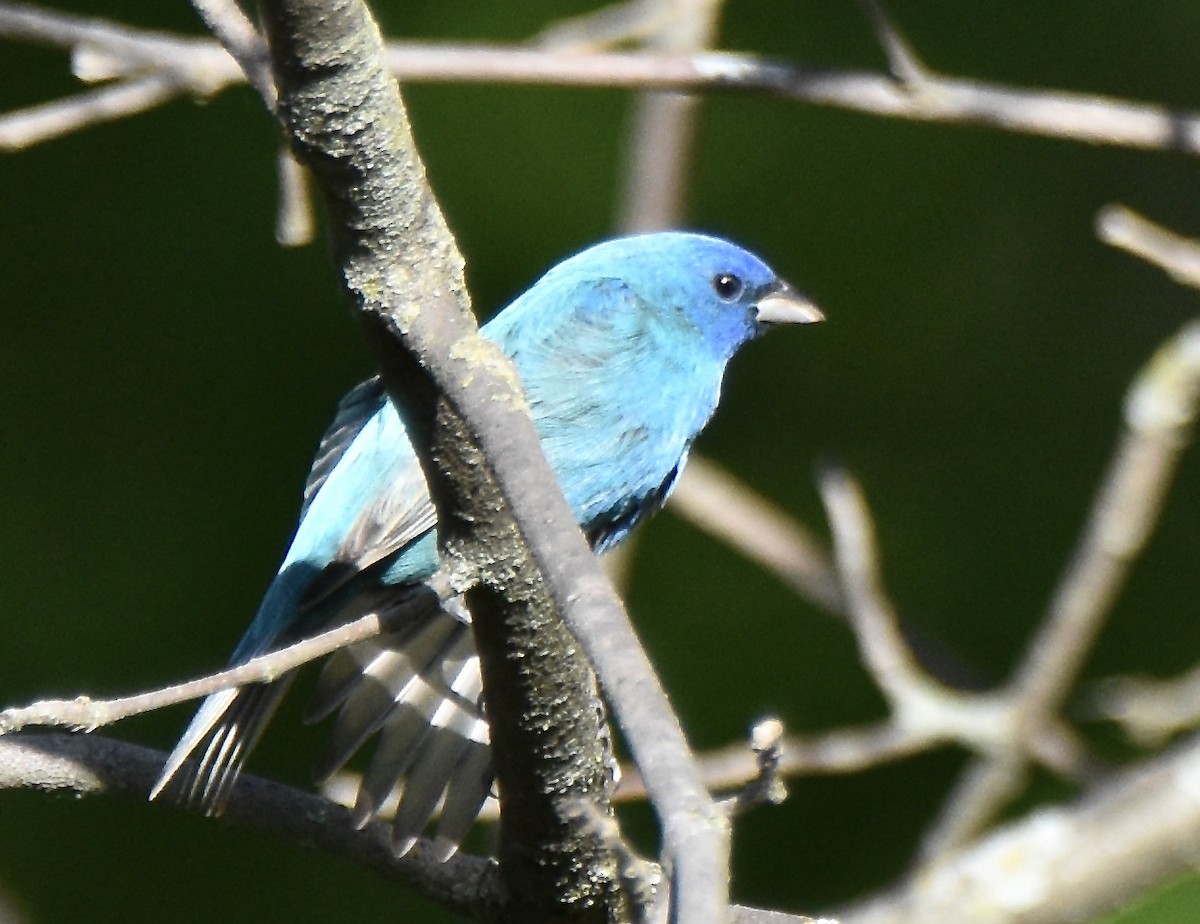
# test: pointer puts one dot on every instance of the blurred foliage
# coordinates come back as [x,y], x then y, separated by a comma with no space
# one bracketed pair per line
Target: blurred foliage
[166,369]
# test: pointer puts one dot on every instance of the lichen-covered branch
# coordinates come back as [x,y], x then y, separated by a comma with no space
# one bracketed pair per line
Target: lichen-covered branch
[510,535]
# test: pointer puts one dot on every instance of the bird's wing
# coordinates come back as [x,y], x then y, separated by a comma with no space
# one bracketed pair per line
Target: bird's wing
[366,500]
[357,406]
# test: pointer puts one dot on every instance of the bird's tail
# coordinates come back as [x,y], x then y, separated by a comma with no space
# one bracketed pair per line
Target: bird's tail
[419,689]
[206,762]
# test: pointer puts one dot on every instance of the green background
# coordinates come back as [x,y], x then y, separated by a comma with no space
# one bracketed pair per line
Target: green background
[166,370]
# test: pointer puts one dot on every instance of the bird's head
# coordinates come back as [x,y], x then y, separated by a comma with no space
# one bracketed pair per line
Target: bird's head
[725,293]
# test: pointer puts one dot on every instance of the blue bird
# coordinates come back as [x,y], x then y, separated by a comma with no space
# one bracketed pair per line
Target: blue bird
[621,350]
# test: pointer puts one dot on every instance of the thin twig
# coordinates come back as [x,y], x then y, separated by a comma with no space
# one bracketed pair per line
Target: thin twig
[716,502]
[1070,863]
[1178,255]
[137,50]
[923,708]
[1160,410]
[875,621]
[237,35]
[839,752]
[1149,710]
[903,61]
[86,714]
[295,224]
[1092,119]
[660,144]
[23,128]
[766,787]
[624,23]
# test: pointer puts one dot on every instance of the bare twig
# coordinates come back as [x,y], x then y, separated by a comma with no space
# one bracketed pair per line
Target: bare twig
[237,35]
[23,128]
[716,502]
[902,60]
[1148,709]
[1063,864]
[624,23]
[111,50]
[1091,119]
[734,766]
[1179,256]
[95,765]
[921,706]
[875,622]
[1160,410]
[295,224]
[664,125]
[766,787]
[86,714]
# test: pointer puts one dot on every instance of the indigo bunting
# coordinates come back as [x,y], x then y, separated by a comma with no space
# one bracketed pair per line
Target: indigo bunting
[621,350]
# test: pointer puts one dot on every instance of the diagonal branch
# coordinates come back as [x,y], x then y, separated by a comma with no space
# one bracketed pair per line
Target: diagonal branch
[713,500]
[1071,863]
[23,128]
[1179,256]
[483,460]
[225,20]
[1160,410]
[902,59]
[86,714]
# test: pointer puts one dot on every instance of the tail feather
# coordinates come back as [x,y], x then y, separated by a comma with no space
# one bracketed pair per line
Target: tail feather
[425,784]
[343,670]
[205,764]
[394,753]
[457,738]
[385,671]
[420,693]
[466,793]
[418,690]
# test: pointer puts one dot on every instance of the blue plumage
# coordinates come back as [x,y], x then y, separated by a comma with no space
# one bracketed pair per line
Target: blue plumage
[621,350]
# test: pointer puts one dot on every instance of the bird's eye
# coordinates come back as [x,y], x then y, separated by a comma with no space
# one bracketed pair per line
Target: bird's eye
[728,286]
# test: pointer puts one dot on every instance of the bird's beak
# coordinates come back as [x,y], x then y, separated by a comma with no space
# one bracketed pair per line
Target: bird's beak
[781,304]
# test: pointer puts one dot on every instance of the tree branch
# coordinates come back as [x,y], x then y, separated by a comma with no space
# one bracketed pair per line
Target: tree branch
[95,765]
[483,459]
[1071,863]
[1090,118]
[1160,411]
[1179,256]
[86,714]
